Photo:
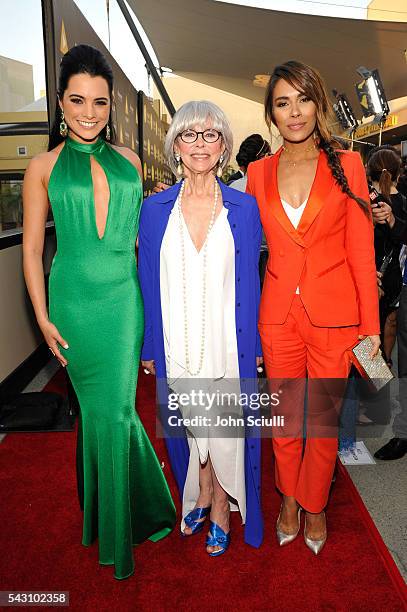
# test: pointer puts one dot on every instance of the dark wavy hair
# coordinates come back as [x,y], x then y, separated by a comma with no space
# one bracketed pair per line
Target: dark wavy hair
[253,147]
[307,80]
[81,59]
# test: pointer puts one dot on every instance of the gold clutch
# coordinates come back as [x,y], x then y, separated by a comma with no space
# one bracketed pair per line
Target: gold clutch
[375,370]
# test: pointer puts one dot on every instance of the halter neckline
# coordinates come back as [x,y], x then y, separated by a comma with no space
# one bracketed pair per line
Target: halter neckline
[85,147]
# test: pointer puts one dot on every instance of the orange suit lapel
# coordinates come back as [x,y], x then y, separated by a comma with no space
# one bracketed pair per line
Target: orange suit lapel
[273,198]
[320,189]
[322,185]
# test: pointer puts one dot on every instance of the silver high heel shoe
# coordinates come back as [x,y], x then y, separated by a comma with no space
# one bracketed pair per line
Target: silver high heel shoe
[285,538]
[315,545]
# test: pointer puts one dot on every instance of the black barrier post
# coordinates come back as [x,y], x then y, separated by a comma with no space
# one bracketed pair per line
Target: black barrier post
[150,65]
[49,55]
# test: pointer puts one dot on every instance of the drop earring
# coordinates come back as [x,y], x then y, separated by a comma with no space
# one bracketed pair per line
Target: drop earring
[179,165]
[219,171]
[63,128]
[107,131]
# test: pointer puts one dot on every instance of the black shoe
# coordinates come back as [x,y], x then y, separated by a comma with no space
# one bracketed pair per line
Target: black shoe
[396,448]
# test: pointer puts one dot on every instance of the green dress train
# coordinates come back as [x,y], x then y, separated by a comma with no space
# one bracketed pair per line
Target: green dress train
[96,304]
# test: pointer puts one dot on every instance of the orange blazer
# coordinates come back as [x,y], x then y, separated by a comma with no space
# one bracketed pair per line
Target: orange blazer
[330,256]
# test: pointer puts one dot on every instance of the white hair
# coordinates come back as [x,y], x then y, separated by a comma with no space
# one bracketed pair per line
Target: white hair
[198,112]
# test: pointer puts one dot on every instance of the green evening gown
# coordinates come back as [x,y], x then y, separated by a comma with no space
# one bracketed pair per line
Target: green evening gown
[96,304]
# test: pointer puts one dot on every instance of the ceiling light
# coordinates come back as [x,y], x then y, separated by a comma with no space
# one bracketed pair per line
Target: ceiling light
[261,80]
[344,112]
[370,91]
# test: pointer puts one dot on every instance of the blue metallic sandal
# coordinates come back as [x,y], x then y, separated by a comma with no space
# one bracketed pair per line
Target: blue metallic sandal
[217,537]
[192,520]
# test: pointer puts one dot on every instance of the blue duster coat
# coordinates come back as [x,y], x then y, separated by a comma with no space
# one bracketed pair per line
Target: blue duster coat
[244,220]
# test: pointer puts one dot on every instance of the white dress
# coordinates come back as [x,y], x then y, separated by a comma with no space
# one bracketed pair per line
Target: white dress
[220,365]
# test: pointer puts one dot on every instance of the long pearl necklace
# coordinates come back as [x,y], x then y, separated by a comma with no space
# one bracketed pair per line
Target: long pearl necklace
[184,282]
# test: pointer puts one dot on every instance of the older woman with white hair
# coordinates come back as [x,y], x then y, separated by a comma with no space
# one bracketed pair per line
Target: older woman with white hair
[198,266]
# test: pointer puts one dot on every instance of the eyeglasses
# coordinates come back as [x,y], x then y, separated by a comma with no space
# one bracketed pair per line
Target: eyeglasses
[190,136]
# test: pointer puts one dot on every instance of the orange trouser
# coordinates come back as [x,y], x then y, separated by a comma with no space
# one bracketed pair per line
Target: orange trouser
[297,349]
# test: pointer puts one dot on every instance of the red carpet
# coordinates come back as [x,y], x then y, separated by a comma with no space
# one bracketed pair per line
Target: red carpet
[40,546]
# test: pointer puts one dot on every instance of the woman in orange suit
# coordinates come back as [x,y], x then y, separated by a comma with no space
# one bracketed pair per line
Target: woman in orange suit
[320,292]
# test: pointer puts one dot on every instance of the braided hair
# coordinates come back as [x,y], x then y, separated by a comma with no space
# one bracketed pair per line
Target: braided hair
[334,163]
[308,81]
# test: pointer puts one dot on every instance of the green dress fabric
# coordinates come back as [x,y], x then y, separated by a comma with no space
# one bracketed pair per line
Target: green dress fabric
[96,304]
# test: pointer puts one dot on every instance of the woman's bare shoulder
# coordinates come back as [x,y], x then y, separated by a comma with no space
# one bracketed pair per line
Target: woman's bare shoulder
[45,159]
[41,165]
[130,155]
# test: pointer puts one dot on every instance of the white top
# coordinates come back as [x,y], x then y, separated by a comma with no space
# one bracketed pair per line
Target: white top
[239,184]
[220,357]
[294,214]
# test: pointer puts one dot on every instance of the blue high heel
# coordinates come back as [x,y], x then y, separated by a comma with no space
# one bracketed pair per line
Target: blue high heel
[217,537]
[192,520]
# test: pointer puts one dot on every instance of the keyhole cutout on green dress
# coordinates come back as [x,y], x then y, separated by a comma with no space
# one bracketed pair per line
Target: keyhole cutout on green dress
[101,197]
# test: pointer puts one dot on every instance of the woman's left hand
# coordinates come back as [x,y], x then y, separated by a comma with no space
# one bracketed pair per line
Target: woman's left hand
[375,340]
[259,365]
[158,187]
[149,366]
[383,214]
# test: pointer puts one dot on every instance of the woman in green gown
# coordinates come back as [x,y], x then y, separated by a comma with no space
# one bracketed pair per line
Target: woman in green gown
[95,324]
